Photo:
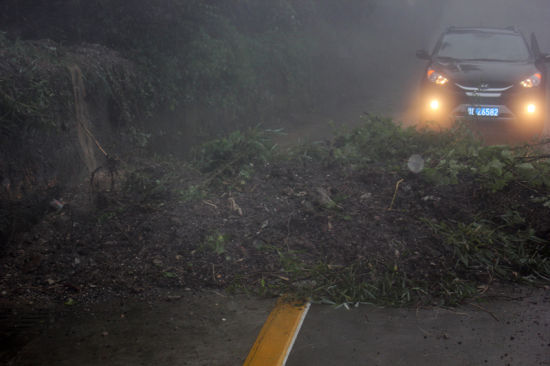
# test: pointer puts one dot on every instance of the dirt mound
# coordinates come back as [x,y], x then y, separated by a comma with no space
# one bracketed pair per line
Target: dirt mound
[160,229]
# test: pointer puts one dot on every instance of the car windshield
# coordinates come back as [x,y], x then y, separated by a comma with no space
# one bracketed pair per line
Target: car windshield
[483,46]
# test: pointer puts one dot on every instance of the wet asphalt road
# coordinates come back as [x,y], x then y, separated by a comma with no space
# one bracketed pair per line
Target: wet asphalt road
[513,332]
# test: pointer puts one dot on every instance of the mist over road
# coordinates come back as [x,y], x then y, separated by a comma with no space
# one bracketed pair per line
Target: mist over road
[382,53]
[403,26]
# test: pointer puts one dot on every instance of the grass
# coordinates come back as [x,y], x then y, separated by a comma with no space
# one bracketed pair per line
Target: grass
[475,255]
[499,251]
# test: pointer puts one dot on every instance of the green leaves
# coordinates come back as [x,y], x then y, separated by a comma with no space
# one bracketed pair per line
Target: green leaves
[216,242]
[494,167]
[450,157]
[378,140]
[235,154]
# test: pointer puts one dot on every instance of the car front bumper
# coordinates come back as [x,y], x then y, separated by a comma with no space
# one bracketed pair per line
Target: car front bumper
[519,110]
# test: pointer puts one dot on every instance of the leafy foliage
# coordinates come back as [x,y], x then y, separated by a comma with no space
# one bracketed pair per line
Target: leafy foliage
[450,156]
[37,92]
[29,93]
[377,141]
[216,242]
[236,154]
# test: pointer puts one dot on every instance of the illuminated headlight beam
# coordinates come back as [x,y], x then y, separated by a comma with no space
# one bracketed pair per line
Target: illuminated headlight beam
[434,105]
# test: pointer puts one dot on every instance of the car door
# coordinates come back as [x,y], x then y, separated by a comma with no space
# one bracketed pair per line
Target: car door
[540,60]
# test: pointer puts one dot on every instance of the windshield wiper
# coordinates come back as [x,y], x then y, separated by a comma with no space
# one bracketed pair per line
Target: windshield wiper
[446,58]
[490,59]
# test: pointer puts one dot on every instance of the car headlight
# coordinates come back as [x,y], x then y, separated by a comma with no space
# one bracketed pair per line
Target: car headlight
[531,81]
[436,77]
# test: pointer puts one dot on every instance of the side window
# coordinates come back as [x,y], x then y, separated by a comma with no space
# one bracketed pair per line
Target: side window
[535,45]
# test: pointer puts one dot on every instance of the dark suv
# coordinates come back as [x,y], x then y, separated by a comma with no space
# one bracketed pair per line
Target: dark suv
[490,77]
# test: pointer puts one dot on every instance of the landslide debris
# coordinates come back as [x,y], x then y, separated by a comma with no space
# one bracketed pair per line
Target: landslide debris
[342,221]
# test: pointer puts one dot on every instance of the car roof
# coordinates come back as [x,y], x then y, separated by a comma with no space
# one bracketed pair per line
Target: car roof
[506,30]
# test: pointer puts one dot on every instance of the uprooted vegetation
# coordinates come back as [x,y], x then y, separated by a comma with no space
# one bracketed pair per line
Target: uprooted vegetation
[342,222]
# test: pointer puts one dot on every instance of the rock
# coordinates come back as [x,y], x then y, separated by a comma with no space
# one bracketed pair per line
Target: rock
[365,196]
[431,198]
[57,204]
[308,207]
[172,297]
[415,163]
[288,191]
[33,262]
[321,197]
[176,220]
[305,284]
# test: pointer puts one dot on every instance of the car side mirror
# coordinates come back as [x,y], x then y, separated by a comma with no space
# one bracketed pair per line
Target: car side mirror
[423,55]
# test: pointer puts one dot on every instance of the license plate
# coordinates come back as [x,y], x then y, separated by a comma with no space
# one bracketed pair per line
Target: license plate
[483,111]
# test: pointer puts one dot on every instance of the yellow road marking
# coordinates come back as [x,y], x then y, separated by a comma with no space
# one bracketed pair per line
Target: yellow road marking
[278,334]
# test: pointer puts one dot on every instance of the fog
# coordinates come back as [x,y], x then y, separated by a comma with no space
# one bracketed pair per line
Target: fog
[529,15]
[399,27]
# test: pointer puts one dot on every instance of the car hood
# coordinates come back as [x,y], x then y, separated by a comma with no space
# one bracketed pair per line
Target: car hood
[493,74]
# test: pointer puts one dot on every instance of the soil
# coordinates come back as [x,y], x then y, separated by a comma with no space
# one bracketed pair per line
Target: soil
[131,243]
[145,242]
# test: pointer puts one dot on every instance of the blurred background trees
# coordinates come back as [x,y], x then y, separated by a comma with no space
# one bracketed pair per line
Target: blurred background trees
[210,65]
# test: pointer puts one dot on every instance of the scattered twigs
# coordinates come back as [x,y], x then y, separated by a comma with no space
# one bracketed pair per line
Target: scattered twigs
[485,310]
[288,229]
[543,142]
[533,158]
[395,193]
[111,165]
[209,203]
[91,135]
[220,170]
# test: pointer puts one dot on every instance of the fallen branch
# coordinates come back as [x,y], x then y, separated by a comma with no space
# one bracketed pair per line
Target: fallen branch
[395,193]
[485,310]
